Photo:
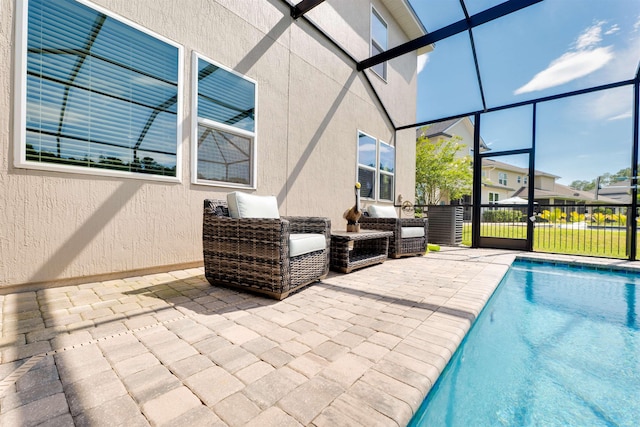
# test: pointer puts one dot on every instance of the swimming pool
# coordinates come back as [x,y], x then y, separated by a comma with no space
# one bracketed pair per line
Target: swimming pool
[554,346]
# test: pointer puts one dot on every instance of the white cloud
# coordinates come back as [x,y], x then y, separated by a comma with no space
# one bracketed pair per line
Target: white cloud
[636,26]
[625,63]
[590,37]
[608,105]
[582,59]
[570,66]
[422,61]
[614,29]
[622,116]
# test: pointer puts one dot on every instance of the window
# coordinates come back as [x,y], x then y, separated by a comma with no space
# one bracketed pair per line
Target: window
[378,41]
[225,149]
[519,179]
[387,170]
[494,197]
[526,179]
[376,168]
[502,178]
[101,96]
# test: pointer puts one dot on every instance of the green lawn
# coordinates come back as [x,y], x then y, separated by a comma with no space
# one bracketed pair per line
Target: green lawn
[606,242]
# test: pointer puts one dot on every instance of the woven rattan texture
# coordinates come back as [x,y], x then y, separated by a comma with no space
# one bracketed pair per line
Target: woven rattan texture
[398,246]
[253,253]
[368,248]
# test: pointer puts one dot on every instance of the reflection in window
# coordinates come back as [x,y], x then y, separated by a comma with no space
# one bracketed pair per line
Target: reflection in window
[378,41]
[223,156]
[387,170]
[100,93]
[367,154]
[367,179]
[376,168]
[226,125]
[502,178]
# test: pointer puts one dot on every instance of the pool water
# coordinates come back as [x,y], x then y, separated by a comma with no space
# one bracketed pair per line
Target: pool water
[555,346]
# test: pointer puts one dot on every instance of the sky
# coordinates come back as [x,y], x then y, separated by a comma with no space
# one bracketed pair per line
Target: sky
[549,48]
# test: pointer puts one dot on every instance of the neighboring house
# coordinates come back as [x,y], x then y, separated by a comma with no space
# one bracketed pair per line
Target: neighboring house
[125,115]
[502,180]
[462,129]
[620,191]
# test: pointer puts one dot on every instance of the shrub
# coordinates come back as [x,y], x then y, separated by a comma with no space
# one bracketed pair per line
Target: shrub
[576,217]
[598,218]
[556,216]
[502,215]
[622,219]
[607,211]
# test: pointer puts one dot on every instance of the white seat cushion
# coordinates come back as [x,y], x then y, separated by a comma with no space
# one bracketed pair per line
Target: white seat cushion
[300,244]
[382,211]
[409,232]
[243,205]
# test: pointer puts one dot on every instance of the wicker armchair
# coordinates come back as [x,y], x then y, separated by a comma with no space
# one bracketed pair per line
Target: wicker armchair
[409,234]
[253,254]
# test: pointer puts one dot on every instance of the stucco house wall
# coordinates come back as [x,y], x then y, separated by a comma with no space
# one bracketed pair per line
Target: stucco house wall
[57,227]
[545,182]
[464,130]
[491,180]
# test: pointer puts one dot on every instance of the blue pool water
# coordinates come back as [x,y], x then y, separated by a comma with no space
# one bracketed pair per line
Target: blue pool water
[555,346]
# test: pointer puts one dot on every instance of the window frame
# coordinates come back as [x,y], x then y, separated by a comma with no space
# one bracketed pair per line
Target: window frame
[195,120]
[372,41]
[494,196]
[503,178]
[377,171]
[387,173]
[20,101]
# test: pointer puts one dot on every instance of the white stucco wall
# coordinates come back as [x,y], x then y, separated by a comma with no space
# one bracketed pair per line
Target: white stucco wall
[58,227]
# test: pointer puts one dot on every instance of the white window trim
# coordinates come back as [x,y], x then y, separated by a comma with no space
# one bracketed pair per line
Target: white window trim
[500,179]
[496,197]
[372,41]
[376,170]
[20,105]
[216,125]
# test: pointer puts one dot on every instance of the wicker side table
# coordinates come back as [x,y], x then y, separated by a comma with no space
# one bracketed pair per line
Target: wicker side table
[350,251]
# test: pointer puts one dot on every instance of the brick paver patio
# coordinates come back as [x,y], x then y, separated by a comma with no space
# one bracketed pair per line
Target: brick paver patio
[169,349]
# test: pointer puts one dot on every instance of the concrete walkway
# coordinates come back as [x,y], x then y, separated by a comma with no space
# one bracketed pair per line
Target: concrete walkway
[169,349]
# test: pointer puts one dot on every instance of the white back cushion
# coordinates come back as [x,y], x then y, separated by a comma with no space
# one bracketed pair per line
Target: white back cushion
[243,205]
[382,211]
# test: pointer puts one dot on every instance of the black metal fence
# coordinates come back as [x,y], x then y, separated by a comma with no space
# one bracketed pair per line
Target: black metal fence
[594,230]
[578,229]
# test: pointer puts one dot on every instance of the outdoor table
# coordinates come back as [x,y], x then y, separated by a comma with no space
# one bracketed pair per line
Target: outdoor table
[353,250]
